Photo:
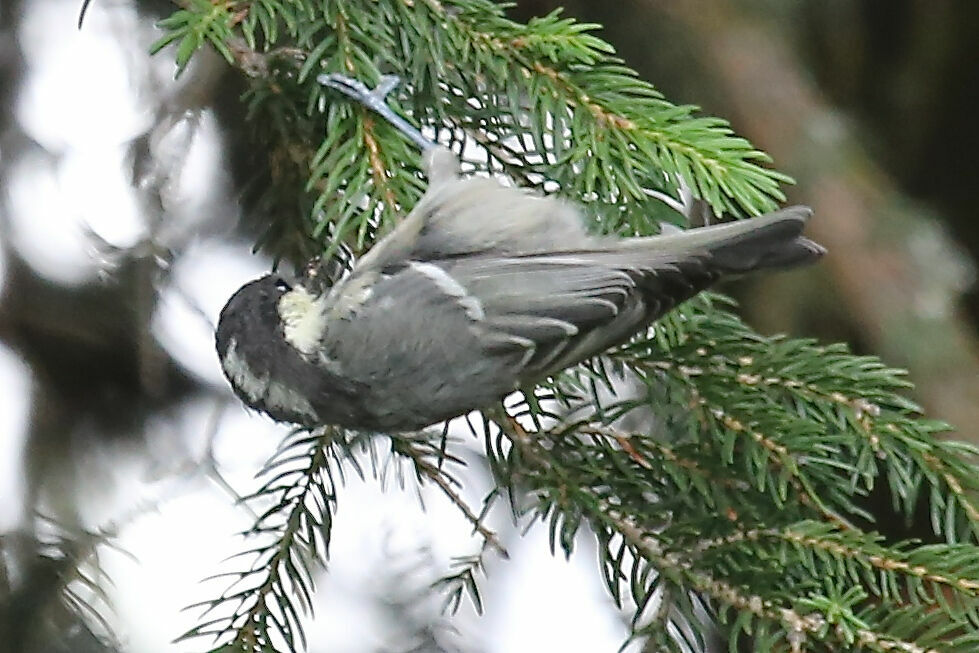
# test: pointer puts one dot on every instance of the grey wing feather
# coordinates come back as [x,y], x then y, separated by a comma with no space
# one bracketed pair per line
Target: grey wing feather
[575,304]
[568,306]
[772,240]
[481,215]
[459,216]
[525,283]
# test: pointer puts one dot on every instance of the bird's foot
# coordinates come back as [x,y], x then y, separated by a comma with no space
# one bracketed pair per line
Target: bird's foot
[356,89]
[375,100]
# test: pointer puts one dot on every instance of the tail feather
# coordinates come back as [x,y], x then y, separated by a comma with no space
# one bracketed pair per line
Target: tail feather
[576,303]
[773,240]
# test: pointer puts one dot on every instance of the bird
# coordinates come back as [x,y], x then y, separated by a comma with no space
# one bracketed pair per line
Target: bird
[483,288]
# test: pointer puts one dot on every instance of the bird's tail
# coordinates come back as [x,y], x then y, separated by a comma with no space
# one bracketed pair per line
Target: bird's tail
[773,240]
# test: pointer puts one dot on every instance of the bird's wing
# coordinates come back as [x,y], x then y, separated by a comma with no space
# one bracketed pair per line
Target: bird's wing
[563,308]
[478,215]
[433,339]
[411,342]
[459,216]
[468,217]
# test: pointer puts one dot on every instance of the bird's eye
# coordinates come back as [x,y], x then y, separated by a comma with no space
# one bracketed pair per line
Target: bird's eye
[282,285]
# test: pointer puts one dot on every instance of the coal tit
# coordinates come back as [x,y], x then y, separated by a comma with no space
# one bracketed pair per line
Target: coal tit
[481,289]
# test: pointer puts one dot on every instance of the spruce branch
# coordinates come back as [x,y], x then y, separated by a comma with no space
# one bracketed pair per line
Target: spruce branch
[54,587]
[644,545]
[466,62]
[853,402]
[269,598]
[422,458]
[906,569]
[742,497]
[810,620]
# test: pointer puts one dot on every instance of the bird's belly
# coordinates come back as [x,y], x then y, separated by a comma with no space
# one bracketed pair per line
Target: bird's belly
[421,379]
[433,394]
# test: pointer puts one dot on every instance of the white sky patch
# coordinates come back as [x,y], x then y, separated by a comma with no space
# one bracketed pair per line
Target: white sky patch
[197,196]
[373,529]
[79,102]
[188,526]
[547,603]
[381,531]
[175,547]
[15,406]
[80,83]
[97,182]
[43,222]
[202,281]
[83,99]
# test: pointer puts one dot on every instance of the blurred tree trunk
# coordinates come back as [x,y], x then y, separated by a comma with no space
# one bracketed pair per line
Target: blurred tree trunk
[907,70]
[894,275]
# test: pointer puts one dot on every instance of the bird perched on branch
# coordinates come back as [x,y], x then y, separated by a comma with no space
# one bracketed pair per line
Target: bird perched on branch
[481,289]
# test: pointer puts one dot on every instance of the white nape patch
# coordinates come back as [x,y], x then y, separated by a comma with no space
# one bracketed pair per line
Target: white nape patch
[444,281]
[241,375]
[303,319]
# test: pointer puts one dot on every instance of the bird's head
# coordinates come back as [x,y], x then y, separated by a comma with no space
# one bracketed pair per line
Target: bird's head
[251,315]
[267,336]
[272,309]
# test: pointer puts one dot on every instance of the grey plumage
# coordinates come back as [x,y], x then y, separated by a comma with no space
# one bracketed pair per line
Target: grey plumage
[480,289]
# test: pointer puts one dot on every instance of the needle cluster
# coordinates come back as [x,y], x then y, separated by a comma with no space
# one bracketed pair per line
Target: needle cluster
[745,485]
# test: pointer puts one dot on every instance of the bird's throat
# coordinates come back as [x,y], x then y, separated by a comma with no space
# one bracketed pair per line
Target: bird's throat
[303,319]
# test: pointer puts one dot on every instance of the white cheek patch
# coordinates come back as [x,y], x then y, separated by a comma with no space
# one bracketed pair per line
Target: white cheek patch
[290,401]
[252,385]
[260,390]
[444,281]
[303,319]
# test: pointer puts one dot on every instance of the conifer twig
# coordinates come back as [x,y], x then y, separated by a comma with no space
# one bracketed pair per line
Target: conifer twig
[436,476]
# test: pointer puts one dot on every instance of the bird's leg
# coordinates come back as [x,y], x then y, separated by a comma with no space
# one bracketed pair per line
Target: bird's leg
[374,100]
[440,164]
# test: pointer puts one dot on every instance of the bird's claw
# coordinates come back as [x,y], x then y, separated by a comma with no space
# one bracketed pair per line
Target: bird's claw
[387,84]
[356,89]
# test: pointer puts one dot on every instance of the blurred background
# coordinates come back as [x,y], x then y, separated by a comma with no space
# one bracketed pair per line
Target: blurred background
[120,240]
